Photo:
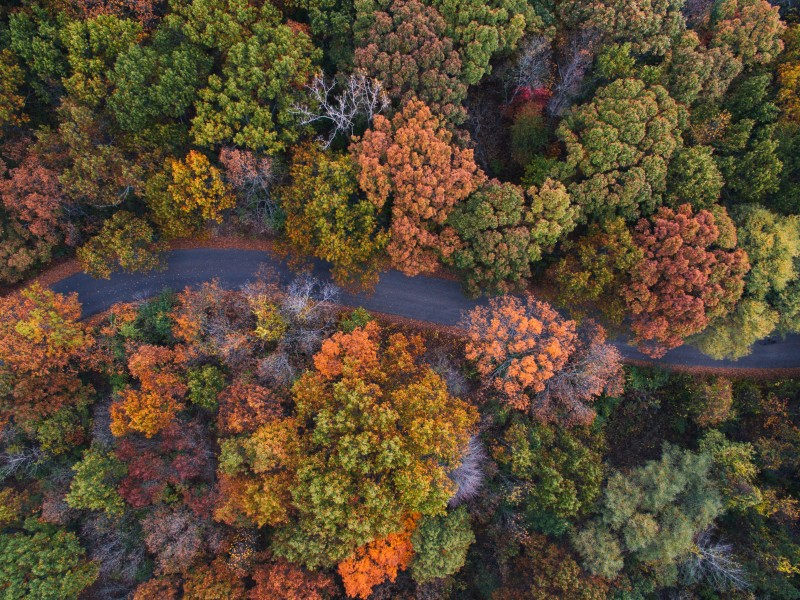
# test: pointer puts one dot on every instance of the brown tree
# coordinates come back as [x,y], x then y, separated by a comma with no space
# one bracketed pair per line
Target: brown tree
[684,279]
[243,407]
[410,167]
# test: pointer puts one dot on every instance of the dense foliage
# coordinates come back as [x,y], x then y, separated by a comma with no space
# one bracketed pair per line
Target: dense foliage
[636,163]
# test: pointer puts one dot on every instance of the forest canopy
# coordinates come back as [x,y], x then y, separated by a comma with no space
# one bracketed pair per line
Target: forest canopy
[592,171]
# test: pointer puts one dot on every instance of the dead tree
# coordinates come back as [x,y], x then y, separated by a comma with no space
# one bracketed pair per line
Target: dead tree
[359,96]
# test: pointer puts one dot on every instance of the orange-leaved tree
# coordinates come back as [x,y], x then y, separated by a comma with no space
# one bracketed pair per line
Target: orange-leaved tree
[410,166]
[160,396]
[377,561]
[518,345]
[684,279]
[540,362]
[42,346]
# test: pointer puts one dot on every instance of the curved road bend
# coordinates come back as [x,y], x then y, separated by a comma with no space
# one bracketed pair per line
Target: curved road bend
[422,298]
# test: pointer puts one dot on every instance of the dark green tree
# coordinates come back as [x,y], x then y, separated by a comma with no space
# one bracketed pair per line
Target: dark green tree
[157,81]
[503,232]
[556,472]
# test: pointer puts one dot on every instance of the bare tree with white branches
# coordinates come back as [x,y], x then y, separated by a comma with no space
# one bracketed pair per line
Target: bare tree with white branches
[572,70]
[713,561]
[534,64]
[17,459]
[309,305]
[358,96]
[469,475]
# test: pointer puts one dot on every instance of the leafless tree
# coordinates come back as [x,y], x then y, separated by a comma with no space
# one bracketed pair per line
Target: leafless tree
[358,96]
[309,306]
[101,423]
[456,381]
[54,505]
[252,177]
[713,561]
[534,64]
[308,299]
[469,475]
[572,70]
[174,536]
[15,459]
[117,554]
[276,369]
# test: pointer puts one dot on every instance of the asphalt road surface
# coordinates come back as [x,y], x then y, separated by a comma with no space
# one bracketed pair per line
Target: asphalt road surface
[423,298]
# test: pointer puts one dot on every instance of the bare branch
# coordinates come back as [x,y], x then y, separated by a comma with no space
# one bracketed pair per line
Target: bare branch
[534,63]
[713,561]
[573,70]
[469,475]
[359,96]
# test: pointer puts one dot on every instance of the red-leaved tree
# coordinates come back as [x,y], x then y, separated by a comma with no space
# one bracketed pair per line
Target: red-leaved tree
[684,279]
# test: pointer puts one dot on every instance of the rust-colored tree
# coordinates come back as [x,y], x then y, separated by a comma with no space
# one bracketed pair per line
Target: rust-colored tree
[32,193]
[243,407]
[42,346]
[544,570]
[281,580]
[410,167]
[159,398]
[684,279]
[212,321]
[376,562]
[147,12]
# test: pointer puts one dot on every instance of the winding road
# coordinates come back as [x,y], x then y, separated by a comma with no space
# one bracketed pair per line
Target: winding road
[423,298]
